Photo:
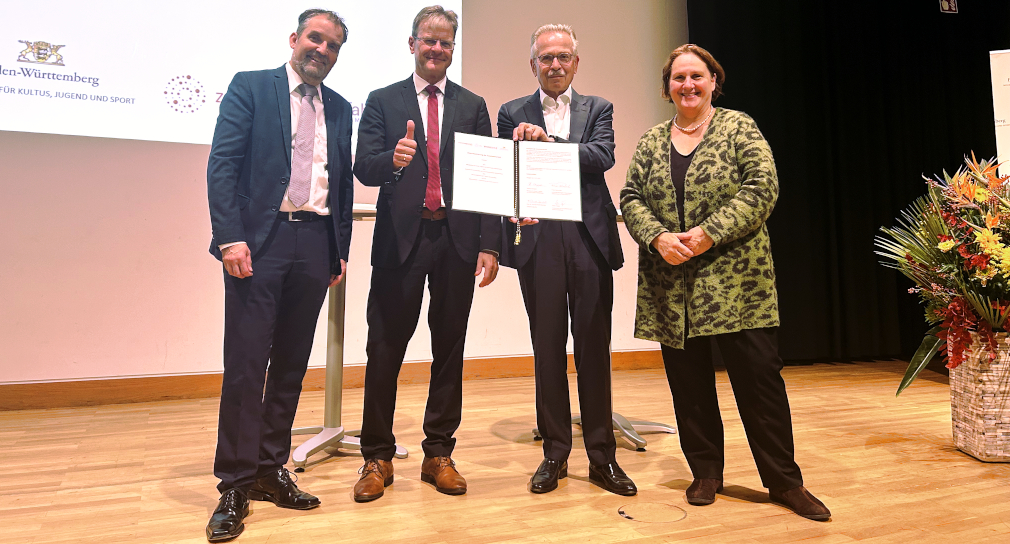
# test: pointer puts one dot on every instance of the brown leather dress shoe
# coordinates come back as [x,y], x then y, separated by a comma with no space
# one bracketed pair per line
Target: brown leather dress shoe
[802,502]
[702,491]
[376,475]
[441,472]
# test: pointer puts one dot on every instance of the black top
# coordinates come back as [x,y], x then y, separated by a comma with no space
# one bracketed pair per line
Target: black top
[678,171]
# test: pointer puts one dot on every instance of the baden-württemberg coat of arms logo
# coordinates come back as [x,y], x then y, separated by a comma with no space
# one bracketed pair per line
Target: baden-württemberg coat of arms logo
[41,53]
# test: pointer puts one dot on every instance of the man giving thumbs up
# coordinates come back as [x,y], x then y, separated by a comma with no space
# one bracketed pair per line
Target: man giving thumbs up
[419,235]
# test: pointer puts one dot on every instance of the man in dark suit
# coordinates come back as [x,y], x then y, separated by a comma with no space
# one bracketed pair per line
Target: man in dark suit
[405,147]
[280,188]
[567,266]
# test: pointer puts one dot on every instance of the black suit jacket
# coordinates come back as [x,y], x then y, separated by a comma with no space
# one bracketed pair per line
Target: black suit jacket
[592,128]
[398,208]
[250,162]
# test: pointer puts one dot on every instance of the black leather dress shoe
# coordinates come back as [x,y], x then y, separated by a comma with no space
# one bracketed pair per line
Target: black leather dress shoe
[545,479]
[278,488]
[226,522]
[613,479]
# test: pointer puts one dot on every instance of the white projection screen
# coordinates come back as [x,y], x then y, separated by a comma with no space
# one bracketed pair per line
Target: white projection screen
[157,70]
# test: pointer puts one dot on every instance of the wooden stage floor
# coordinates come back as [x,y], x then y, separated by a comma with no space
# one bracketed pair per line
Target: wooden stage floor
[884,465]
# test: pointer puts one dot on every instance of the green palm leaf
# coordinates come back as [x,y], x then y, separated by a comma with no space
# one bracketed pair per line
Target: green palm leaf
[927,349]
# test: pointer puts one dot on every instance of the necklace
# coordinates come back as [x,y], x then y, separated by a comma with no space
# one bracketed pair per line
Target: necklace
[690,129]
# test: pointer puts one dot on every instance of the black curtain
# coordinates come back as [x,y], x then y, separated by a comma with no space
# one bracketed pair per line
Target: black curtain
[858,100]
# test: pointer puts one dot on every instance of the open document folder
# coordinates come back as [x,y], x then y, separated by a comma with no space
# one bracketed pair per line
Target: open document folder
[516,179]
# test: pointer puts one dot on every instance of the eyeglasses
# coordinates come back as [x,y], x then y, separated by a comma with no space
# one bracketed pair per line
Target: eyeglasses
[548,60]
[430,42]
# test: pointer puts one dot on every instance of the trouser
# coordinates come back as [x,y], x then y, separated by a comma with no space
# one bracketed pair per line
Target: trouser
[270,321]
[567,276]
[394,306]
[754,367]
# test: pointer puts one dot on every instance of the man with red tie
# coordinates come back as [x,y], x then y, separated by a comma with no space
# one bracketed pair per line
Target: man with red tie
[405,147]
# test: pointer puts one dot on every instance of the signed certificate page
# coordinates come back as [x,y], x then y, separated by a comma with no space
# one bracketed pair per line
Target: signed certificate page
[525,179]
[483,178]
[549,181]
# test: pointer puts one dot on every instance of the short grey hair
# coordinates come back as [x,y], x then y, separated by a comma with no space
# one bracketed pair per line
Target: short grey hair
[435,12]
[564,29]
[303,20]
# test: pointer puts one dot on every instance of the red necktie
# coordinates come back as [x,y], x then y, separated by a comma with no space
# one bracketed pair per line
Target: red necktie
[433,193]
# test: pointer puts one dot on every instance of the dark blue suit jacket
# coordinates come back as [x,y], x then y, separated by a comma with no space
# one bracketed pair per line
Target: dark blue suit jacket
[592,127]
[398,207]
[250,162]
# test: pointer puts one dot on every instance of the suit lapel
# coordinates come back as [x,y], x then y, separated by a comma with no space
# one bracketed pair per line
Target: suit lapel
[445,134]
[580,117]
[534,111]
[409,95]
[284,108]
[448,114]
[330,118]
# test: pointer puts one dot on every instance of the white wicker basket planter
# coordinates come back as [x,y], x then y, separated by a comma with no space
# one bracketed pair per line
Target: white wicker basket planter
[980,402]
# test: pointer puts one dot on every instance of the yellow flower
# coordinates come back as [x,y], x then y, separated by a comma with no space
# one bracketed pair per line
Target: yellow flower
[981,195]
[985,275]
[946,246]
[1004,261]
[989,241]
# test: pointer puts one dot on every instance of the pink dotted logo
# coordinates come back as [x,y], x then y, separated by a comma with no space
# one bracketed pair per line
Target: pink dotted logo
[185,94]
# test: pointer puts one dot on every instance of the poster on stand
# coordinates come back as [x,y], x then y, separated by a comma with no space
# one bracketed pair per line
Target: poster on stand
[999,67]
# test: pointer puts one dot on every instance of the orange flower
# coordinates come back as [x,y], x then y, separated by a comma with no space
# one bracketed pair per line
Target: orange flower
[963,187]
[992,221]
[987,171]
[994,181]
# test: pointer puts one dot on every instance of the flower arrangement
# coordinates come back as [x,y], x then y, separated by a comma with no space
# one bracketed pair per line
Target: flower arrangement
[954,243]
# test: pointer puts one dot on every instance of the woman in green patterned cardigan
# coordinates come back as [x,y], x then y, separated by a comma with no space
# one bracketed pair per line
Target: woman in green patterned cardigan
[698,192]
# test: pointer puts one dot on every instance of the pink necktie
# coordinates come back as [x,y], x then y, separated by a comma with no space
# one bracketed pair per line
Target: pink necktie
[433,192]
[301,152]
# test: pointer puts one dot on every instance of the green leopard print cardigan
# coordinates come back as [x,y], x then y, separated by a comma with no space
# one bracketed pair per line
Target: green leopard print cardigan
[730,190]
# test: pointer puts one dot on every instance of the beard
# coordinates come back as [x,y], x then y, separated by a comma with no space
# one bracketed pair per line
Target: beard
[312,69]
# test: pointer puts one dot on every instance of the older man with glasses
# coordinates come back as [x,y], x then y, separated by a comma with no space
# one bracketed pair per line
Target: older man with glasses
[565,268]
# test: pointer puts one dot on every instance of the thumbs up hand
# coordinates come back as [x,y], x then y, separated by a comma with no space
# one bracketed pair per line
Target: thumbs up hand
[405,148]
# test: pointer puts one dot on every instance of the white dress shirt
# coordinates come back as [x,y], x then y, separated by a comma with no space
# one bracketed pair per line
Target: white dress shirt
[422,103]
[557,113]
